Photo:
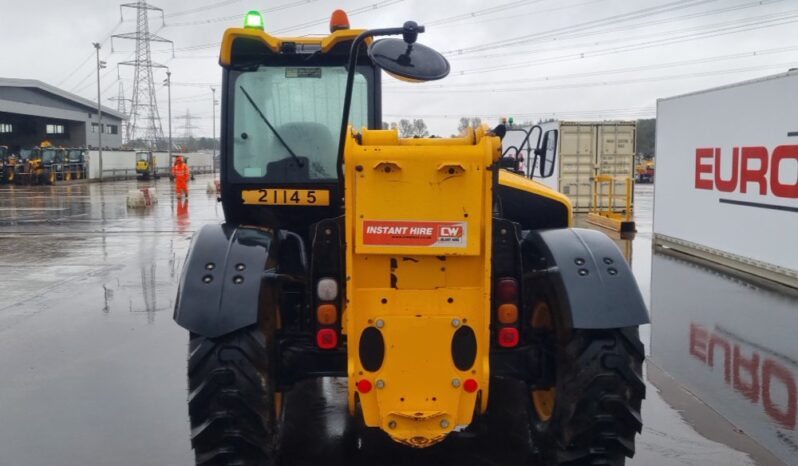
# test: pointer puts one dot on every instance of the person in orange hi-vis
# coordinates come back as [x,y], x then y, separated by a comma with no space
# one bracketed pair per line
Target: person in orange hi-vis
[181,173]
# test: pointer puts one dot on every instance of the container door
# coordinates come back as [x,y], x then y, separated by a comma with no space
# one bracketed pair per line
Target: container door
[577,159]
[616,157]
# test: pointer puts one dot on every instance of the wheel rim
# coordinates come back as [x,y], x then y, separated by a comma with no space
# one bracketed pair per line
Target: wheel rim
[543,399]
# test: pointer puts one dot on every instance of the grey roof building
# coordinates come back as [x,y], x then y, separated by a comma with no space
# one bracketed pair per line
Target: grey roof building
[32,111]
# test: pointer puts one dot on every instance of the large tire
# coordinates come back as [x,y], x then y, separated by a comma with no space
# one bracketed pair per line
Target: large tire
[597,396]
[232,398]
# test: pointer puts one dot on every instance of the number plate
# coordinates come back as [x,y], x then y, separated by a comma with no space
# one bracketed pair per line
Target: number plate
[276,196]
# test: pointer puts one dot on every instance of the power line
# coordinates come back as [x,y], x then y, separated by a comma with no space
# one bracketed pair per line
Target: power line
[636,46]
[198,9]
[596,113]
[515,16]
[614,82]
[586,74]
[88,57]
[375,6]
[478,13]
[613,19]
[219,19]
[560,39]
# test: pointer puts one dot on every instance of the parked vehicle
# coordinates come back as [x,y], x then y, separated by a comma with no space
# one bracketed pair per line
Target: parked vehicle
[418,269]
[146,165]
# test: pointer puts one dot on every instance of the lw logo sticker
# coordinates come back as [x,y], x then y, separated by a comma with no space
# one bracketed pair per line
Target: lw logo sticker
[408,233]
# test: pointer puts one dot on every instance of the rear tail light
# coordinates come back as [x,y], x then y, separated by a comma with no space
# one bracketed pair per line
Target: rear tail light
[326,314]
[507,290]
[507,313]
[327,289]
[508,337]
[327,338]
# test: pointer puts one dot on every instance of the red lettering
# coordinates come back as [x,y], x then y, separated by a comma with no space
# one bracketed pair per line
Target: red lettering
[751,367]
[701,168]
[717,340]
[729,185]
[786,416]
[754,175]
[776,187]
[698,342]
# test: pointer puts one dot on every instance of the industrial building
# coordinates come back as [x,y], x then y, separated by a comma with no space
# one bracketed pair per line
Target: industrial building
[32,111]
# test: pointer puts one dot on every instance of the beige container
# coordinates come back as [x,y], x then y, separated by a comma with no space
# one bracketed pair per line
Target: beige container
[585,150]
[588,149]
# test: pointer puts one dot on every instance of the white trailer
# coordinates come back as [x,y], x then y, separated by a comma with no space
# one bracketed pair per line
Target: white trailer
[586,149]
[726,188]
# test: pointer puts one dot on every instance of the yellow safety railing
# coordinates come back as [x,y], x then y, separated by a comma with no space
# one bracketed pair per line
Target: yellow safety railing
[604,210]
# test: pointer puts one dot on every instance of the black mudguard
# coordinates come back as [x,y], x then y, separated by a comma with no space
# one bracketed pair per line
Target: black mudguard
[221,281]
[588,275]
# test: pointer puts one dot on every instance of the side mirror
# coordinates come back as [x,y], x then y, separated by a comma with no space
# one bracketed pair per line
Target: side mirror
[403,58]
[408,60]
[546,154]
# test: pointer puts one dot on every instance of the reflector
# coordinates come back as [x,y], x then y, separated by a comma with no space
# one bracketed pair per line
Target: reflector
[470,385]
[327,289]
[507,313]
[363,386]
[326,314]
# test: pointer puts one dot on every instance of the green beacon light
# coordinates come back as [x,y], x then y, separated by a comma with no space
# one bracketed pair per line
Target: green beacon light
[253,20]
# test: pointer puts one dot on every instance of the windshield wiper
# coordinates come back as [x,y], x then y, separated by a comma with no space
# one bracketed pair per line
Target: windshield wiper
[266,120]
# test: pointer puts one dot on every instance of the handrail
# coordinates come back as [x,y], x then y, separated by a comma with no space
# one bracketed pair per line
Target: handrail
[609,212]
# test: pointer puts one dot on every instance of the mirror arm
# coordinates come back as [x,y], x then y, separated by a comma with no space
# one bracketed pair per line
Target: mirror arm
[350,81]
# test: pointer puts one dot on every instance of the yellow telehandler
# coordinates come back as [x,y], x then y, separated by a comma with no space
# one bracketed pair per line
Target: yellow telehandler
[418,269]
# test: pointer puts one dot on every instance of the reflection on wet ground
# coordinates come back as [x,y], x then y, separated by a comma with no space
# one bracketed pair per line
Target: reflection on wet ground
[94,367]
[732,344]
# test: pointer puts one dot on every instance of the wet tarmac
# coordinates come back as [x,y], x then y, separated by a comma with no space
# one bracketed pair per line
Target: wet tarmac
[93,367]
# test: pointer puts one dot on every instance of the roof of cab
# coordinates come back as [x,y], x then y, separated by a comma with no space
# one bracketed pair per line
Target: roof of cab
[275,44]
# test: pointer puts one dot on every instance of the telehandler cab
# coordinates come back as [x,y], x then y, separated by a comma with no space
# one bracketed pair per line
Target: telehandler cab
[418,269]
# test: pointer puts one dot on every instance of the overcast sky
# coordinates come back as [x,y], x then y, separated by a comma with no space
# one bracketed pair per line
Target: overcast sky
[567,59]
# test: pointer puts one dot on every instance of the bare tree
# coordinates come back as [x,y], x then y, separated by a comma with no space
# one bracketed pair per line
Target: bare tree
[406,128]
[420,128]
[465,122]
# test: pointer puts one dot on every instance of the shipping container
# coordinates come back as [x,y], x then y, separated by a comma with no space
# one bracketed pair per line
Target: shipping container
[586,149]
[727,176]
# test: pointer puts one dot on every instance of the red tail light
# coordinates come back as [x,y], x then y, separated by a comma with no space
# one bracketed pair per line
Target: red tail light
[507,290]
[508,337]
[327,338]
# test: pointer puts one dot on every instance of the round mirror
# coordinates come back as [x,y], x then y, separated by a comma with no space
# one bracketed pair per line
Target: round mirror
[409,62]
